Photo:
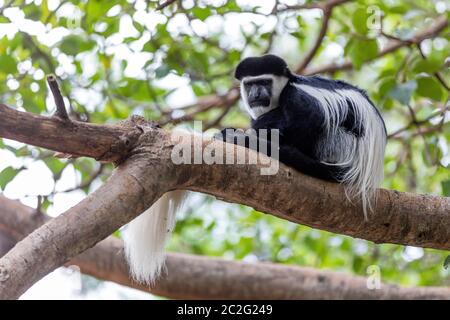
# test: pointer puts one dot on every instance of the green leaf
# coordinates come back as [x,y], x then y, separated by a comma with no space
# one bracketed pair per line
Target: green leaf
[201,13]
[199,89]
[72,45]
[386,85]
[97,8]
[428,66]
[446,188]
[403,92]
[162,71]
[234,55]
[298,34]
[55,165]
[300,22]
[359,20]
[7,64]
[361,50]
[149,47]
[7,175]
[429,87]
[398,8]
[23,152]
[138,27]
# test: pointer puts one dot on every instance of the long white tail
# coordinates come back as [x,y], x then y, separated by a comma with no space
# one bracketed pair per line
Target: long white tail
[145,237]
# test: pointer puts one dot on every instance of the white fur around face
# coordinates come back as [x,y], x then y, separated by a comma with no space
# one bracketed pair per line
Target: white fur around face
[278,84]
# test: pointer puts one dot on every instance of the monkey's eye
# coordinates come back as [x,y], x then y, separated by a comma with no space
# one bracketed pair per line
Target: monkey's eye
[262,82]
[265,82]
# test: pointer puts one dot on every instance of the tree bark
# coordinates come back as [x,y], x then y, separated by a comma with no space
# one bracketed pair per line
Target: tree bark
[214,278]
[108,143]
[400,218]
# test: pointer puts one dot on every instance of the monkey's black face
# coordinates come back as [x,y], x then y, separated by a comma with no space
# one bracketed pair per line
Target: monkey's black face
[259,92]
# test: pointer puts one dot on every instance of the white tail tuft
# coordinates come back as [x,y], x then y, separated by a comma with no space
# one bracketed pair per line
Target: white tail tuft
[145,237]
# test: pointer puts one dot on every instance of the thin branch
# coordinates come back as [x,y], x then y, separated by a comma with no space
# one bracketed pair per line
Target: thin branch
[38,209]
[205,104]
[217,121]
[165,4]
[273,34]
[83,185]
[327,9]
[53,12]
[396,133]
[6,6]
[38,51]
[435,28]
[436,74]
[312,5]
[60,112]
[419,131]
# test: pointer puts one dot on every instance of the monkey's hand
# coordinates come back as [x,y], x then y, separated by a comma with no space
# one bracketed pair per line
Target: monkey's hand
[228,135]
[241,138]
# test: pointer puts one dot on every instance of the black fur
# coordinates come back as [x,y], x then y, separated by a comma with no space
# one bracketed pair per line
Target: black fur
[266,64]
[298,117]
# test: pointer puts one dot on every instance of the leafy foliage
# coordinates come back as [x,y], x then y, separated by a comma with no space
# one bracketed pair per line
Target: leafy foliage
[118,58]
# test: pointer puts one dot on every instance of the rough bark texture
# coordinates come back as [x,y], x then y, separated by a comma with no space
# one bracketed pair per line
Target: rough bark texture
[194,277]
[214,278]
[57,241]
[401,218]
[102,142]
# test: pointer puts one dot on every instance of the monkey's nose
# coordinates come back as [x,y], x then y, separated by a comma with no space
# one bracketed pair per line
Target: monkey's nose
[258,94]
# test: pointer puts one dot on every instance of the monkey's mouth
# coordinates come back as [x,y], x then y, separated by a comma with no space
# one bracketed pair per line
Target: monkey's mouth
[259,103]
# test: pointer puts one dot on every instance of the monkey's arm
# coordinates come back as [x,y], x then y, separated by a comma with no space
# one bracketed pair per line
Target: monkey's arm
[289,155]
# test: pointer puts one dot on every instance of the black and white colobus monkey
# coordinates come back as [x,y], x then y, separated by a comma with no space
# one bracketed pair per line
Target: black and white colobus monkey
[327,129]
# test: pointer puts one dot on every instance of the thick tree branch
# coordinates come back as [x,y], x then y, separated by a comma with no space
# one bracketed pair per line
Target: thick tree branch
[401,218]
[117,202]
[214,278]
[108,143]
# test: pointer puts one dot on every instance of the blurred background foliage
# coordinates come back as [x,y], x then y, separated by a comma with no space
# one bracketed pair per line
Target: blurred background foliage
[175,64]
